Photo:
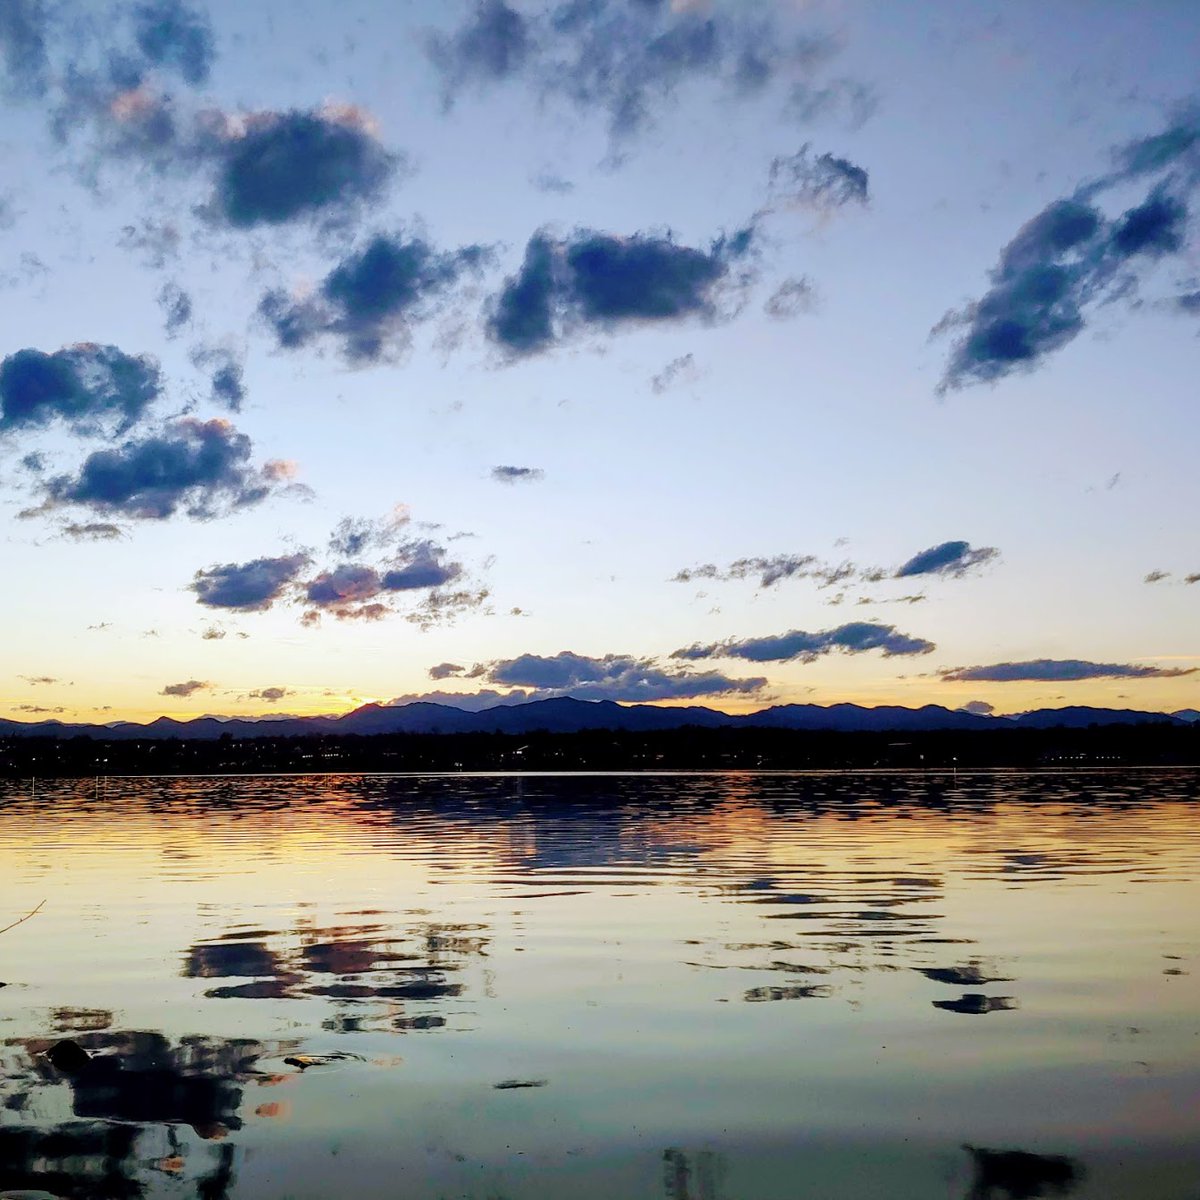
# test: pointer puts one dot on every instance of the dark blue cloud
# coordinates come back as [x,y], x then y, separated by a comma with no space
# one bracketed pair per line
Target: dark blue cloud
[79,385]
[1071,256]
[248,587]
[522,316]
[1065,670]
[23,45]
[295,164]
[171,34]
[612,677]
[857,637]
[227,385]
[202,467]
[599,280]
[624,58]
[492,44]
[1047,273]
[420,564]
[1155,227]
[371,299]
[517,474]
[356,590]
[176,306]
[947,558]
[825,181]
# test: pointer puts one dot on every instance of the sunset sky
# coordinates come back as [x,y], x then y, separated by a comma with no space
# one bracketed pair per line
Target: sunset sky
[736,353]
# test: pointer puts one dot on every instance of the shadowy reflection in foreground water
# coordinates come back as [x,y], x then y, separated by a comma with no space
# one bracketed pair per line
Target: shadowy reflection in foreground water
[526,987]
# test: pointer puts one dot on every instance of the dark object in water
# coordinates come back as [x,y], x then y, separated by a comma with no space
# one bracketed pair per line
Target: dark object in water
[1020,1175]
[69,1057]
[506,1085]
[304,1061]
[962,976]
[975,1004]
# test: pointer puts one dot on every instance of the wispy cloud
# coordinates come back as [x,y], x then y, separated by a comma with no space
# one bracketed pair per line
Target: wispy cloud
[518,474]
[619,677]
[1062,670]
[856,637]
[188,688]
[1072,256]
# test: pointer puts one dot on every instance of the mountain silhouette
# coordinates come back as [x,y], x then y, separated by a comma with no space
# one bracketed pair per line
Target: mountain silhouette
[566,715]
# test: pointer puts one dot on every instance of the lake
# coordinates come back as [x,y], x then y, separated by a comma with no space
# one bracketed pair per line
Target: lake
[698,987]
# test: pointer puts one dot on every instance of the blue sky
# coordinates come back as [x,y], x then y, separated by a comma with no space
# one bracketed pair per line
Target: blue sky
[618,348]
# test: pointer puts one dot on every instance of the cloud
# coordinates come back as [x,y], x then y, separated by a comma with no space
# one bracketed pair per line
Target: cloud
[156,241]
[284,166]
[601,281]
[35,680]
[1192,578]
[226,382]
[977,708]
[824,182]
[445,670]
[345,585]
[185,689]
[23,45]
[172,35]
[465,701]
[682,368]
[202,467]
[774,569]
[272,695]
[93,531]
[1071,257]
[494,43]
[80,385]
[370,301]
[176,306]
[351,590]
[954,559]
[1156,576]
[791,298]
[856,637]
[1044,670]
[441,607]
[354,535]
[214,634]
[248,587]
[612,677]
[855,100]
[618,57]
[517,474]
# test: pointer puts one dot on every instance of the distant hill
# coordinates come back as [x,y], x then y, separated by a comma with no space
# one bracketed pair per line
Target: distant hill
[565,715]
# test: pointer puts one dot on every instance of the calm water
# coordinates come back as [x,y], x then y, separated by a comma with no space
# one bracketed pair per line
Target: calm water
[729,986]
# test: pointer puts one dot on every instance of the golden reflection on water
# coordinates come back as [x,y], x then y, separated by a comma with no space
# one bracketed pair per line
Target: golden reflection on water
[730,986]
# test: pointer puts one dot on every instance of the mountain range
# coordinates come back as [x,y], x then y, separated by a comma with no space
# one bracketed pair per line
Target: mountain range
[565,715]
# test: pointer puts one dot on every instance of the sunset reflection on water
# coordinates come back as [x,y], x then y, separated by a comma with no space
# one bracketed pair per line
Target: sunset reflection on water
[731,986]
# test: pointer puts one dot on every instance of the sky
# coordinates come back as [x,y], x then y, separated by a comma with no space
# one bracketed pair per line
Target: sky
[670,351]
